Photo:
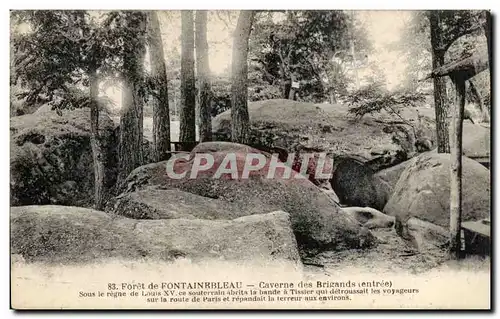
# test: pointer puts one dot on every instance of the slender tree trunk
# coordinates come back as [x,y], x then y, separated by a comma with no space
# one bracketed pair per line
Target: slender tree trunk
[441,106]
[131,121]
[97,153]
[240,121]
[161,115]
[333,99]
[187,132]
[284,83]
[203,72]
[291,94]
[456,168]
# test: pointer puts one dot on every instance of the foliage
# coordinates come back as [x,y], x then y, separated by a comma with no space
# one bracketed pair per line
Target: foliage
[415,47]
[48,60]
[461,34]
[373,98]
[303,46]
[337,80]
[457,23]
[53,60]
[221,95]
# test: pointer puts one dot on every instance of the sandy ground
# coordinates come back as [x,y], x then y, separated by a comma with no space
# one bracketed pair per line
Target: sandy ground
[381,278]
[391,255]
[109,284]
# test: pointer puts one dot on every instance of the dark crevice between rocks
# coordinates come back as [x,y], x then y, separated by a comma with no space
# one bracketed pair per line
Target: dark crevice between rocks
[31,137]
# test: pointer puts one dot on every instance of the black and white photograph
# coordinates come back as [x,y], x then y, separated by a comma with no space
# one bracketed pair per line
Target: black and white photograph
[250,159]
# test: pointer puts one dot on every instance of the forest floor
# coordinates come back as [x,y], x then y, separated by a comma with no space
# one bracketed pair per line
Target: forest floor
[391,255]
[452,285]
[423,280]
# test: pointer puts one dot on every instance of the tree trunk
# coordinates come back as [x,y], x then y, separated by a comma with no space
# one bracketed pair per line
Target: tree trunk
[441,106]
[161,115]
[456,168]
[240,121]
[187,132]
[131,121]
[291,94]
[333,99]
[97,154]
[203,72]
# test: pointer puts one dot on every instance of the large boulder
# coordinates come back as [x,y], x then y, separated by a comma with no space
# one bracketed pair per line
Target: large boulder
[477,143]
[62,234]
[356,184]
[293,125]
[317,172]
[222,146]
[476,140]
[391,175]
[51,158]
[423,191]
[155,203]
[316,220]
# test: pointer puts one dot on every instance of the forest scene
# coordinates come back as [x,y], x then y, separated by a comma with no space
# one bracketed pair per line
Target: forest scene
[103,103]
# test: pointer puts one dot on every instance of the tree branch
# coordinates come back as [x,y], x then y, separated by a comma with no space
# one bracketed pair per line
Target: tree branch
[315,70]
[455,36]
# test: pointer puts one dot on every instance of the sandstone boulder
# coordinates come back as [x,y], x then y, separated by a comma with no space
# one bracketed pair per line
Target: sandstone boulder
[222,146]
[51,157]
[391,175]
[57,234]
[317,166]
[156,203]
[423,191]
[316,220]
[477,143]
[291,125]
[426,236]
[357,185]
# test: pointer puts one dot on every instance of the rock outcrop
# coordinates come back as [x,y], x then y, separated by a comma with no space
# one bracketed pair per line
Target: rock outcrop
[156,203]
[316,220]
[356,184]
[62,234]
[477,143]
[51,157]
[423,191]
[293,125]
[391,175]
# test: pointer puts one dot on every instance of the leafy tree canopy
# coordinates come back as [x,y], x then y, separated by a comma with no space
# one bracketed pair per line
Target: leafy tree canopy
[53,58]
[303,46]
